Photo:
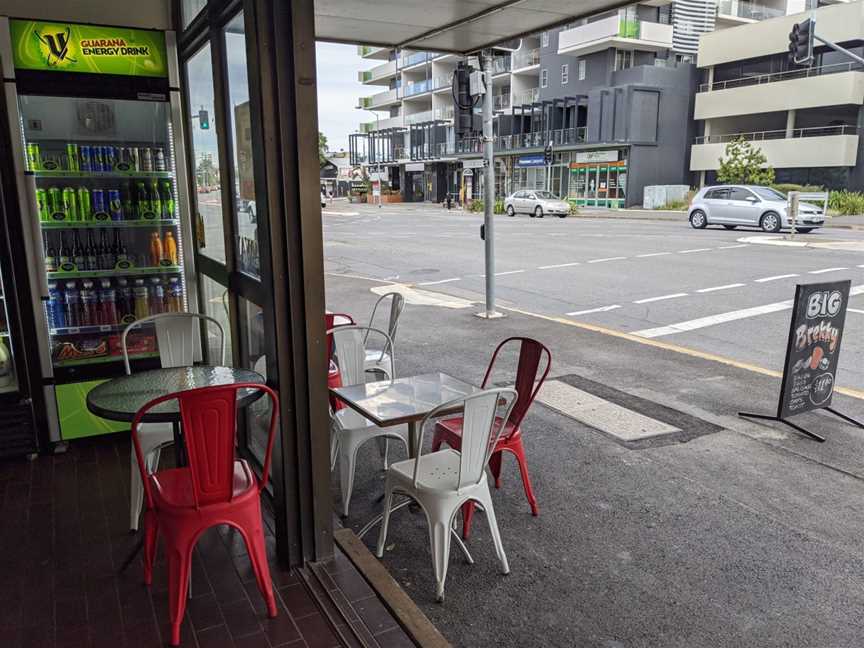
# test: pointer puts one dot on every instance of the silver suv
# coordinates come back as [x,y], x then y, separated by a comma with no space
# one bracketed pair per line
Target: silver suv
[750,206]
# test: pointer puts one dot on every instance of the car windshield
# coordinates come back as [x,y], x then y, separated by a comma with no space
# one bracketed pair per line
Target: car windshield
[546,195]
[767,193]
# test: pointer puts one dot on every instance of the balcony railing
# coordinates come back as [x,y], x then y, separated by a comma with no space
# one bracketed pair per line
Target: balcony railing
[501,64]
[529,96]
[539,139]
[444,113]
[444,81]
[417,118]
[501,102]
[758,136]
[380,99]
[525,59]
[411,89]
[750,10]
[414,59]
[759,79]
[598,35]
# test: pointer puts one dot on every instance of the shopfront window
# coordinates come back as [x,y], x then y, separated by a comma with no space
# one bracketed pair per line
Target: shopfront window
[217,305]
[255,358]
[189,9]
[209,231]
[245,209]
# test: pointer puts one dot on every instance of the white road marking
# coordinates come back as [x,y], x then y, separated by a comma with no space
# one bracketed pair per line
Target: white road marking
[440,281]
[694,250]
[721,318]
[653,254]
[827,270]
[775,278]
[855,310]
[715,288]
[653,299]
[559,265]
[508,272]
[861,266]
[732,247]
[606,259]
[602,309]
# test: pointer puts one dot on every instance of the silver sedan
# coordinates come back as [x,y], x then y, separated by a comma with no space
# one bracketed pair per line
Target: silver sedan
[536,204]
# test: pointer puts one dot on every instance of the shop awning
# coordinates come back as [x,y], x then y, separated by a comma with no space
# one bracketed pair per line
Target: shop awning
[460,26]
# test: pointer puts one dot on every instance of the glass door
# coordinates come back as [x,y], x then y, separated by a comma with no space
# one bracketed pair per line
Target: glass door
[8,377]
[106,192]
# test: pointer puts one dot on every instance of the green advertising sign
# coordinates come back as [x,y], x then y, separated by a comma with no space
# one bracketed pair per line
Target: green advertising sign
[70,47]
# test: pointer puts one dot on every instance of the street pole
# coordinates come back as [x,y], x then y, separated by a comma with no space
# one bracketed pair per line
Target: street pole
[489,182]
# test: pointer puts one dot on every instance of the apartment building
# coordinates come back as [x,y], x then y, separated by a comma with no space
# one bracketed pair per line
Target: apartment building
[805,120]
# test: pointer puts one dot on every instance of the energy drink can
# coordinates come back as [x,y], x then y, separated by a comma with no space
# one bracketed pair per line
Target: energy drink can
[132,158]
[72,157]
[96,161]
[158,159]
[70,204]
[55,200]
[84,158]
[84,208]
[107,158]
[97,199]
[42,204]
[114,205]
[145,159]
[34,157]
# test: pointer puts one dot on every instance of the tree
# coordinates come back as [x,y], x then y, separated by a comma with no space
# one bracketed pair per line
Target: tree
[322,147]
[743,163]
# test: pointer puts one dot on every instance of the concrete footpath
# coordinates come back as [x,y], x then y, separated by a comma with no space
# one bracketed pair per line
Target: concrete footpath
[737,534]
[844,222]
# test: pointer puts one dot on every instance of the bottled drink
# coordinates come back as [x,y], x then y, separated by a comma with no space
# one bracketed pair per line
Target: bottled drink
[155,200]
[72,304]
[169,248]
[156,253]
[65,252]
[55,201]
[84,209]
[119,249]
[142,299]
[55,307]
[107,304]
[91,253]
[167,197]
[129,212]
[70,204]
[89,305]
[145,159]
[106,258]
[78,257]
[157,296]
[50,256]
[144,207]
[174,297]
[125,302]
[42,205]
[34,157]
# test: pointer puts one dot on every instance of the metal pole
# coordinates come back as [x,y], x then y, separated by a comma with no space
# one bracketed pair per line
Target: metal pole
[489,182]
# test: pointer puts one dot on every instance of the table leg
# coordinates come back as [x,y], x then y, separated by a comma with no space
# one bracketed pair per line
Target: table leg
[413,450]
[179,449]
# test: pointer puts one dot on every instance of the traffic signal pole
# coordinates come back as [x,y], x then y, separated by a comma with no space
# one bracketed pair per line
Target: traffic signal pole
[489,188]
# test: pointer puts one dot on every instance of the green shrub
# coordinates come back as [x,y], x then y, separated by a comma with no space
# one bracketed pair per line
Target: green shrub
[846,203]
[675,205]
[573,209]
[480,205]
[785,188]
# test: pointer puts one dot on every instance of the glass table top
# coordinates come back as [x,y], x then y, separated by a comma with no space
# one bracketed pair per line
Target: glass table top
[404,400]
[119,399]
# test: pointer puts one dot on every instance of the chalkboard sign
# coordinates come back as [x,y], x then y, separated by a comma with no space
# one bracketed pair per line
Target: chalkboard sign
[813,348]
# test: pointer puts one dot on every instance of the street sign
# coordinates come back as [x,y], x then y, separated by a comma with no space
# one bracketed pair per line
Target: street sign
[535,160]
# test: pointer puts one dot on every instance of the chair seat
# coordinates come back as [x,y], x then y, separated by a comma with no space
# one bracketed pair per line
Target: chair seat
[439,471]
[453,428]
[172,488]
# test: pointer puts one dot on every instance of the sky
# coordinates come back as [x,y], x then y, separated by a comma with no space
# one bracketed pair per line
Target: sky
[338,91]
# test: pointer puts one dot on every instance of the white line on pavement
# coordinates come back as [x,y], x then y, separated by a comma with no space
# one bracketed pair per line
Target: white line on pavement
[606,259]
[653,254]
[732,247]
[827,270]
[715,288]
[861,266]
[855,310]
[775,278]
[440,281]
[498,274]
[721,318]
[602,309]
[694,250]
[559,265]
[653,299]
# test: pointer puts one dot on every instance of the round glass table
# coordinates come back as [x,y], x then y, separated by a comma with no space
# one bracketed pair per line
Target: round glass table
[119,399]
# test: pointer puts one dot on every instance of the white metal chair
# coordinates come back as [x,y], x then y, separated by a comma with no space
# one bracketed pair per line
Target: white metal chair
[176,334]
[348,429]
[381,360]
[441,482]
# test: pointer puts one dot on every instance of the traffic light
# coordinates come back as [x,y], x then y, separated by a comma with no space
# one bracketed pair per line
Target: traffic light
[801,42]
[547,153]
[204,119]
[462,100]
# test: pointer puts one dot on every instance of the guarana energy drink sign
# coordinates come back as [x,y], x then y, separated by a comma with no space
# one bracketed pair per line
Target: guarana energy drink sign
[93,49]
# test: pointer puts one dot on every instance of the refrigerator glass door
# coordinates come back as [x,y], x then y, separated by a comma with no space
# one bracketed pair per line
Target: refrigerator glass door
[106,193]
[8,378]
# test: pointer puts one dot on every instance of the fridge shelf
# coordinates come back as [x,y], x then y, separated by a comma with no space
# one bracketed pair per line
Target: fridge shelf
[84,274]
[91,330]
[121,224]
[103,359]
[63,173]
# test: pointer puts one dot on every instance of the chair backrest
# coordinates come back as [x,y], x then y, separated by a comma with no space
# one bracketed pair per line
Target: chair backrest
[332,320]
[350,349]
[176,336]
[397,304]
[527,384]
[484,414]
[209,419]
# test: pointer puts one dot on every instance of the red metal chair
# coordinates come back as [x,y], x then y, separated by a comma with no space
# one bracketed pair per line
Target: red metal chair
[334,379]
[215,488]
[449,431]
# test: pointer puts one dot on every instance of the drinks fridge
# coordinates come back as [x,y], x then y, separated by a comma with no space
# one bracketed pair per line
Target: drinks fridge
[104,177]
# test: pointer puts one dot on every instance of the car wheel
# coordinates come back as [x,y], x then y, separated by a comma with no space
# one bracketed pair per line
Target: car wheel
[562,215]
[538,211]
[510,211]
[730,227]
[770,222]
[804,230]
[698,220]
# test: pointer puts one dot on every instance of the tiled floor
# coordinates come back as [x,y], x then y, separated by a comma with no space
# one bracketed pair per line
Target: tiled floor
[64,534]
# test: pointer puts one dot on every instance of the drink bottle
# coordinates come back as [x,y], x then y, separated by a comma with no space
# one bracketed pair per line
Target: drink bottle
[91,253]
[106,258]
[56,314]
[169,248]
[125,302]
[119,249]
[42,204]
[107,304]
[157,296]
[84,209]
[78,257]
[158,159]
[155,200]
[144,206]
[34,157]
[89,305]
[167,200]
[145,159]
[72,304]
[142,299]
[129,212]
[156,253]
[175,296]
[65,253]
[50,256]
[70,204]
